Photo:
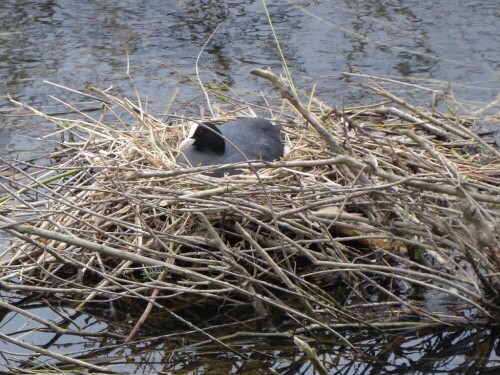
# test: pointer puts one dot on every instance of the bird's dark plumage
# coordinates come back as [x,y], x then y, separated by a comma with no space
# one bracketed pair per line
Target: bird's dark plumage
[249,138]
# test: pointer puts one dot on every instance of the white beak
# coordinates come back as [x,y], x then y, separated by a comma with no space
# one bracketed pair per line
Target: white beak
[185,144]
[189,140]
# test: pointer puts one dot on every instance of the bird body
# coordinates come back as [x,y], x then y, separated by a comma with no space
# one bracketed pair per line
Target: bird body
[244,139]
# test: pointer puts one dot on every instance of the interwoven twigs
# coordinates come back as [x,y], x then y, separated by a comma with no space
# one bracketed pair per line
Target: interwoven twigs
[342,212]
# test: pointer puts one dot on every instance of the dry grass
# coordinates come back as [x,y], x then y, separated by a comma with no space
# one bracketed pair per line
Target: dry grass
[369,211]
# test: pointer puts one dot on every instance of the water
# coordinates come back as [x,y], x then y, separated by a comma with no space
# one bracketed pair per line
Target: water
[164,347]
[73,43]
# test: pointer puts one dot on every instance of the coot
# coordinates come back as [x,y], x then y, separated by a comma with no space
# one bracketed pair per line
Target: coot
[249,138]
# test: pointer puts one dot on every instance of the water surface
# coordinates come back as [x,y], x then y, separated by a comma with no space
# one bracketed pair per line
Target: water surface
[73,43]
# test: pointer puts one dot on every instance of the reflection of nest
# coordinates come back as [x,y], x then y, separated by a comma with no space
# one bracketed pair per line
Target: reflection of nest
[320,236]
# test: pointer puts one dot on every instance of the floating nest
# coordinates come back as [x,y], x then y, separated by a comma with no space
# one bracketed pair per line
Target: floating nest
[372,210]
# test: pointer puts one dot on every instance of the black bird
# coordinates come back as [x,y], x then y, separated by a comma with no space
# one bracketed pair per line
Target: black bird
[245,139]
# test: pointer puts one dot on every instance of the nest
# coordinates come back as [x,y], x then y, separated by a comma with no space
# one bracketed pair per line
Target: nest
[372,208]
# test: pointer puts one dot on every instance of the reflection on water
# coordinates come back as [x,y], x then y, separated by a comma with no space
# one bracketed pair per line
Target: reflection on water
[400,351]
[73,42]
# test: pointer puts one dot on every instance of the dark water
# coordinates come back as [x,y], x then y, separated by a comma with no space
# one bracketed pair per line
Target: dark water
[431,350]
[72,43]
